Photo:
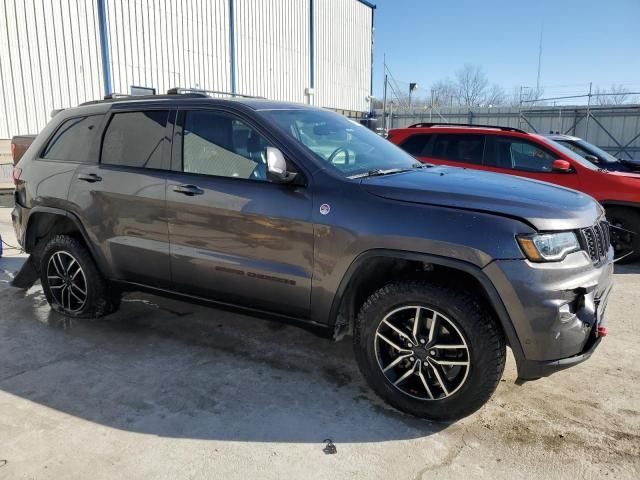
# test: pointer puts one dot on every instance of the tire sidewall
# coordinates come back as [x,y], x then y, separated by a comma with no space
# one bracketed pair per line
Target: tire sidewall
[79,253]
[453,406]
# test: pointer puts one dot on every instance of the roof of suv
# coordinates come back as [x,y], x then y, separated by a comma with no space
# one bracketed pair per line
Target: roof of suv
[560,136]
[198,98]
[462,126]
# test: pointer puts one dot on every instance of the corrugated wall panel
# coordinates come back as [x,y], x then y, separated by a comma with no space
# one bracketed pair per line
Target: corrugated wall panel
[343,39]
[48,59]
[272,48]
[169,43]
[50,54]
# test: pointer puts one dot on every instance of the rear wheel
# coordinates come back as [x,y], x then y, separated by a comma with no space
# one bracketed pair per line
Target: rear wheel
[625,239]
[71,281]
[429,350]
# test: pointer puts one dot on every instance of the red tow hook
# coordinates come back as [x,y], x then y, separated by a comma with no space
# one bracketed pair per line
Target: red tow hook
[602,331]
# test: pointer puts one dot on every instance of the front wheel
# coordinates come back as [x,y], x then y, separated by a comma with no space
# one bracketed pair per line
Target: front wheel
[428,350]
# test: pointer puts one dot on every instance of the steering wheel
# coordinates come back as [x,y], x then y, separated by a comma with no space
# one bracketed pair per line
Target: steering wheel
[336,151]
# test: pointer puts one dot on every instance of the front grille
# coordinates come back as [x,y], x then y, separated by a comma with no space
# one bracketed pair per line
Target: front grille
[596,241]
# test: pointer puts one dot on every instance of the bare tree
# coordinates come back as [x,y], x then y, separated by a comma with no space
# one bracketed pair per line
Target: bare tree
[616,95]
[444,93]
[471,84]
[496,96]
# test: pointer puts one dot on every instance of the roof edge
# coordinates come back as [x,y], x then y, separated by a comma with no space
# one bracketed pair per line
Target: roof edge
[372,6]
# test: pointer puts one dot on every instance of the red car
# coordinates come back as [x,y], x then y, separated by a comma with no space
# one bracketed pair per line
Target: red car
[513,151]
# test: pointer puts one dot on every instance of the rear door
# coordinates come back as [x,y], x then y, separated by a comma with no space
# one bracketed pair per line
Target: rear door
[121,199]
[517,156]
[455,149]
[235,236]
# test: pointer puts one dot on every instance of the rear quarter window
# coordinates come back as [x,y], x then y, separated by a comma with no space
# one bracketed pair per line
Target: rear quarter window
[73,140]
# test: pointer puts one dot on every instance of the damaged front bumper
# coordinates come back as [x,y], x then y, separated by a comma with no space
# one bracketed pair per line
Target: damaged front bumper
[556,309]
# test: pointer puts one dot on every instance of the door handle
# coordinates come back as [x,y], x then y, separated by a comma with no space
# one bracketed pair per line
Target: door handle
[189,190]
[89,177]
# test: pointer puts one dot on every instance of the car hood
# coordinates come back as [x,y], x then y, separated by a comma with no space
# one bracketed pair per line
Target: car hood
[629,172]
[545,206]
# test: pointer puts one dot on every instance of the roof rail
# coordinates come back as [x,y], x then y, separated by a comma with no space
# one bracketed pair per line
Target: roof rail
[136,98]
[497,127]
[114,95]
[203,92]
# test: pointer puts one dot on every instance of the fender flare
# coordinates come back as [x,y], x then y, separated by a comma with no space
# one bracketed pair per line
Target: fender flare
[76,221]
[475,271]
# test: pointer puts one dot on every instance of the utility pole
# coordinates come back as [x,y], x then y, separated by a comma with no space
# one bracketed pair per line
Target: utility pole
[384,104]
[431,110]
[384,98]
[586,131]
[539,62]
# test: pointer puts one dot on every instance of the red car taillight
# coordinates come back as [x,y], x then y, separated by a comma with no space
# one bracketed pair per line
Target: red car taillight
[13,152]
[15,174]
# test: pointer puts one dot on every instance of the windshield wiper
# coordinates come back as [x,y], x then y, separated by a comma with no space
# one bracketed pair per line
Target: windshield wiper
[378,172]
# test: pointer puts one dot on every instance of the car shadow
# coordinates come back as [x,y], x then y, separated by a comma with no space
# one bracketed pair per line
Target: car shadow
[173,369]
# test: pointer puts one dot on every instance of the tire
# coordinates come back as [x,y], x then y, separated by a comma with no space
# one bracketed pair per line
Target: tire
[71,281]
[623,242]
[466,324]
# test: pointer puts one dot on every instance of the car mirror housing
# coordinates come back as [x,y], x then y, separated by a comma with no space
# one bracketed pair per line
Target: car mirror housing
[277,167]
[592,158]
[561,166]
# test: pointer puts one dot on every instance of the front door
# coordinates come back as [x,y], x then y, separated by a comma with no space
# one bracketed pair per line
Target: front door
[516,156]
[236,237]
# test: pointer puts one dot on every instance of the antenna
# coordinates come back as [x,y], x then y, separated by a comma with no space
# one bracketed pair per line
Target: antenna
[539,61]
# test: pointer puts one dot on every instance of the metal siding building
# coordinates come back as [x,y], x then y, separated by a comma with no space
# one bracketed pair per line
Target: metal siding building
[307,51]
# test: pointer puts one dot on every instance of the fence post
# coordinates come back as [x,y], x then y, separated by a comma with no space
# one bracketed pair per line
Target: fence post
[586,131]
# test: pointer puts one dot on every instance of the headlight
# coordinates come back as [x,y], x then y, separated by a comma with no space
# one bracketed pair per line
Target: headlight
[548,247]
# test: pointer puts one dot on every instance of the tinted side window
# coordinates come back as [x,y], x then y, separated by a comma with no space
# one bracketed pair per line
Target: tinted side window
[73,139]
[459,148]
[417,145]
[220,145]
[136,139]
[519,155]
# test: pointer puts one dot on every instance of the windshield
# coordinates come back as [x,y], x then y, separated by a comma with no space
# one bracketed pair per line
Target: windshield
[340,143]
[597,151]
[569,153]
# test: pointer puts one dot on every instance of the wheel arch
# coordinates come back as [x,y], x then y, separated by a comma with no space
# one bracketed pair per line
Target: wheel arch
[47,221]
[619,203]
[342,313]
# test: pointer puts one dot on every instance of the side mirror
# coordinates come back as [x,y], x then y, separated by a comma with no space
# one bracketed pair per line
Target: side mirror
[277,167]
[561,166]
[592,158]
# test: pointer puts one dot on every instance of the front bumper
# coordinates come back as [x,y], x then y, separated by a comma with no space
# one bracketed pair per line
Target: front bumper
[556,309]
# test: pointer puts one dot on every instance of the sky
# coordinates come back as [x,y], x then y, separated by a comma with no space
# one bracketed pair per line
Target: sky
[583,41]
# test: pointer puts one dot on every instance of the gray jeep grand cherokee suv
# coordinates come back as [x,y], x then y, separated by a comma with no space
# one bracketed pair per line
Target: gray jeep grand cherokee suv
[300,214]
